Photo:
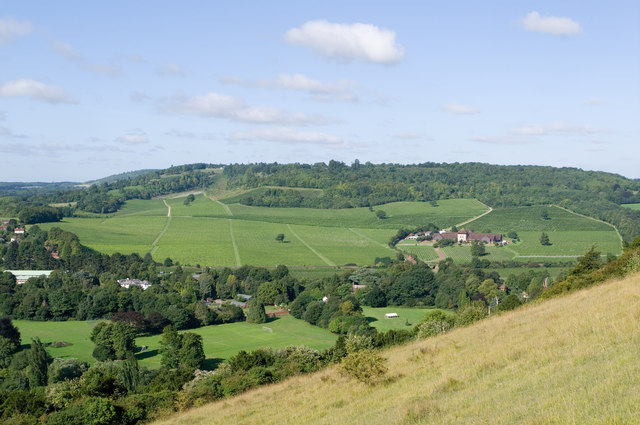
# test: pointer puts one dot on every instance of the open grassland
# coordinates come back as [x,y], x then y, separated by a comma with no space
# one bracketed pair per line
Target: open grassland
[571,360]
[72,332]
[143,207]
[201,206]
[376,317]
[632,206]
[221,342]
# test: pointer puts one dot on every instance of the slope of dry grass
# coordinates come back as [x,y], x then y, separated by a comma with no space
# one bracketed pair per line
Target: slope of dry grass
[571,360]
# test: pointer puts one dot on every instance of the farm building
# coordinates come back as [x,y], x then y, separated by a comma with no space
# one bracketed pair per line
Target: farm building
[391,315]
[23,275]
[466,236]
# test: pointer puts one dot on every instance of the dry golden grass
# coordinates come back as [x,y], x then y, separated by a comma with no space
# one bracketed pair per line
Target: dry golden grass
[572,360]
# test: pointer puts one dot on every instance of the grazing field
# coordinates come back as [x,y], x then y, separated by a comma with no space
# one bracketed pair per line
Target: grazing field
[219,341]
[570,360]
[376,317]
[632,206]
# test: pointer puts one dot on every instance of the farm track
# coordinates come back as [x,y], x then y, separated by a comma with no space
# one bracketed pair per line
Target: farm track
[322,257]
[477,217]
[154,244]
[236,252]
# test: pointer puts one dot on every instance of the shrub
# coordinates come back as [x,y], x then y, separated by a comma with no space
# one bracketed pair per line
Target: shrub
[366,366]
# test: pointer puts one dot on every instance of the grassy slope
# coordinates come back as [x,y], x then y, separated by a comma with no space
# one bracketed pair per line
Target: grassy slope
[571,360]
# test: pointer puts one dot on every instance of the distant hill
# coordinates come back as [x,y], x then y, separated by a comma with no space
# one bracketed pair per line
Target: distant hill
[128,175]
[570,360]
[33,188]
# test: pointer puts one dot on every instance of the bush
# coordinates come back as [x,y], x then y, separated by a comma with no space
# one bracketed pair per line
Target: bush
[366,366]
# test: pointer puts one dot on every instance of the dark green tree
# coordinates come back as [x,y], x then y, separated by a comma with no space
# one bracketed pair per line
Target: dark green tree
[544,239]
[9,331]
[191,353]
[39,361]
[170,344]
[256,312]
[381,214]
[280,237]
[477,248]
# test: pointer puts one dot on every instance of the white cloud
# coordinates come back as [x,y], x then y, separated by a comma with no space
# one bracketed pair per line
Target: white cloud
[35,90]
[11,28]
[217,105]
[66,51]
[322,91]
[287,135]
[557,127]
[348,42]
[457,108]
[4,131]
[551,24]
[171,69]
[593,101]
[136,137]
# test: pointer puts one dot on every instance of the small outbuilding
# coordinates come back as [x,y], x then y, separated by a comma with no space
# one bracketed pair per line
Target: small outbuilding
[391,315]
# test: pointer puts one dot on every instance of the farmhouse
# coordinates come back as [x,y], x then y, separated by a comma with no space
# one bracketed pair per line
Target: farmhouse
[128,283]
[19,231]
[463,236]
[23,275]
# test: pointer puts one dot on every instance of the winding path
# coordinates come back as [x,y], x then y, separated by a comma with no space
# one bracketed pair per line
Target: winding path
[236,251]
[477,217]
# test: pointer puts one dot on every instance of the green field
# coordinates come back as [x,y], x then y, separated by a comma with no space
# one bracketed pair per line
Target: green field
[382,324]
[219,342]
[632,206]
[506,272]
[213,233]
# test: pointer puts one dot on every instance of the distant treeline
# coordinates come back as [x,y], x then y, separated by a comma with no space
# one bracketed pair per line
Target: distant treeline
[596,194]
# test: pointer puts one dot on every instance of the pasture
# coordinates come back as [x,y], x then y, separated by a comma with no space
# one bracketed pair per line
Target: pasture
[219,341]
[632,206]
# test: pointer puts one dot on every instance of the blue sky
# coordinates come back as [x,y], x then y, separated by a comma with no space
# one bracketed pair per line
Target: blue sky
[89,89]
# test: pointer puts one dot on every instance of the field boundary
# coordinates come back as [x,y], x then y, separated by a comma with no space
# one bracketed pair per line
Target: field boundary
[236,252]
[322,257]
[595,219]
[154,244]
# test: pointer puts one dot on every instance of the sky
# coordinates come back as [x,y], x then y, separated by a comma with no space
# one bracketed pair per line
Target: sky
[91,89]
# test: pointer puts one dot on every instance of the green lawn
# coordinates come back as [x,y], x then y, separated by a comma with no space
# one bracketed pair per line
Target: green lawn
[462,253]
[566,243]
[382,324]
[219,341]
[632,206]
[224,341]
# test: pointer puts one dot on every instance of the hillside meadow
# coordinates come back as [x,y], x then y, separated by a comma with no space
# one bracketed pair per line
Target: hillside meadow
[570,360]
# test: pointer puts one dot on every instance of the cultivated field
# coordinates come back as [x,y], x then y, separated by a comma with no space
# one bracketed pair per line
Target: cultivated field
[213,233]
[219,341]
[571,360]
[218,233]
